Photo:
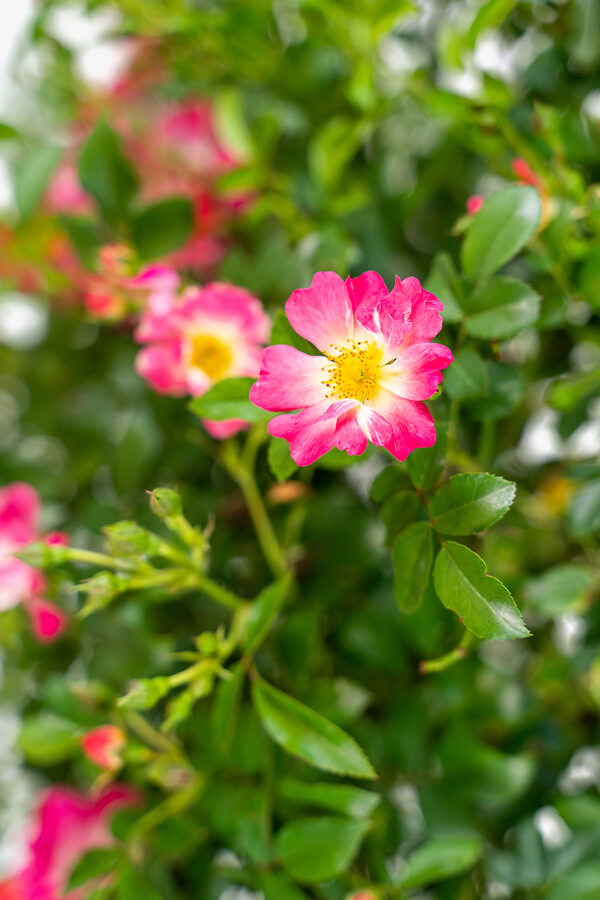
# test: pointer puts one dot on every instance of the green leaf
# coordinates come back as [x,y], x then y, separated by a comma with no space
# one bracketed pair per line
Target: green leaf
[7,132]
[304,733]
[226,707]
[506,386]
[47,739]
[106,174]
[581,883]
[276,887]
[283,333]
[263,612]
[500,308]
[425,465]
[399,511]
[466,378]
[133,886]
[412,556]
[389,481]
[228,399]
[145,693]
[100,861]
[444,282]
[471,502]
[32,176]
[482,602]
[333,148]
[439,859]
[583,518]
[561,589]
[340,798]
[317,849]
[280,462]
[507,221]
[162,227]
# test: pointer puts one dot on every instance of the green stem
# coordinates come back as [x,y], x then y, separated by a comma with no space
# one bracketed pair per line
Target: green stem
[98,559]
[216,592]
[429,666]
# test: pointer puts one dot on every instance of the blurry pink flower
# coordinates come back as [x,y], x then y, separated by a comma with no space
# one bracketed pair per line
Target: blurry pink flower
[377,368]
[199,337]
[19,582]
[64,194]
[67,825]
[190,131]
[526,174]
[102,746]
[475,203]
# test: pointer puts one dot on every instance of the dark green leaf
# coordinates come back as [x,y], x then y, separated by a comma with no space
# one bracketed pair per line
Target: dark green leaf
[471,502]
[426,464]
[505,388]
[399,510]
[389,481]
[483,603]
[507,221]
[276,887]
[133,886]
[225,710]
[500,308]
[263,612]
[163,227]
[228,399]
[314,850]
[466,378]
[283,333]
[444,282]
[439,859]
[105,173]
[412,556]
[304,733]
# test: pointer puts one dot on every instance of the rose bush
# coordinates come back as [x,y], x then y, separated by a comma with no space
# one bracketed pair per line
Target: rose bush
[300,352]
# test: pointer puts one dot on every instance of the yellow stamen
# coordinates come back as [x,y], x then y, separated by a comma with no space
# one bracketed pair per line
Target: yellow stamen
[353,371]
[209,354]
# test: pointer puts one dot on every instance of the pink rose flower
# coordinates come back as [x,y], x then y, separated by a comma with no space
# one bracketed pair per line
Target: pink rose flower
[19,582]
[103,745]
[376,368]
[475,203]
[198,337]
[65,194]
[67,825]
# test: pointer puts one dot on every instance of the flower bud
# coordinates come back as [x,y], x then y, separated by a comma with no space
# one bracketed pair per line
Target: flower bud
[165,503]
[102,746]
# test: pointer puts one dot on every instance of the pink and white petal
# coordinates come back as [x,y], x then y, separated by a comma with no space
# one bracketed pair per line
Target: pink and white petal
[375,426]
[288,379]
[425,314]
[156,277]
[323,312]
[237,307]
[368,287]
[411,422]
[161,365]
[349,435]
[310,433]
[224,429]
[416,373]
[47,621]
[17,580]
[197,382]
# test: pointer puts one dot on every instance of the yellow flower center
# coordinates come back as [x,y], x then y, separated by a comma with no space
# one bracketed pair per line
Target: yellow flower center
[353,371]
[210,354]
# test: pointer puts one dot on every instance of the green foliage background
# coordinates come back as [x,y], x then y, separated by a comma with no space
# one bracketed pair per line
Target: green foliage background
[361,153]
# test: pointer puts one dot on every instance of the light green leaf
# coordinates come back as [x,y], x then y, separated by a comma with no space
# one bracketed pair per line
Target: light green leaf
[340,798]
[276,887]
[162,227]
[263,612]
[561,589]
[471,502]
[100,861]
[47,739]
[314,850]
[500,308]
[280,462]
[32,176]
[584,511]
[412,556]
[228,399]
[133,886]
[439,859]
[507,221]
[304,733]
[482,602]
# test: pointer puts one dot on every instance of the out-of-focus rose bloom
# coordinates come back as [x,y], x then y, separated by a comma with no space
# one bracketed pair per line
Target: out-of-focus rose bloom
[103,745]
[67,825]
[64,194]
[20,583]
[475,203]
[362,895]
[377,367]
[198,337]
[526,175]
